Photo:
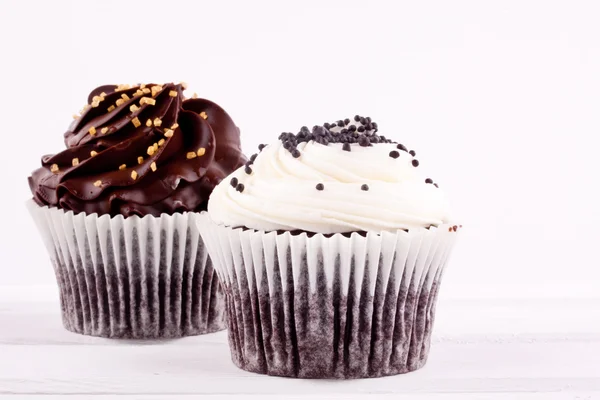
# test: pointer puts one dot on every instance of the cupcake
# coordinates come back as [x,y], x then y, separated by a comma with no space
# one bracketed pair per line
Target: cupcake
[330,247]
[117,211]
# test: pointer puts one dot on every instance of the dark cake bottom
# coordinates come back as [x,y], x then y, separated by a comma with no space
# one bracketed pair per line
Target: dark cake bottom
[139,278]
[326,335]
[334,307]
[116,301]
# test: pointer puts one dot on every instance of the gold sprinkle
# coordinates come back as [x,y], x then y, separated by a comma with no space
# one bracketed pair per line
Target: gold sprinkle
[103,95]
[138,93]
[134,175]
[122,167]
[75,162]
[93,153]
[173,93]
[153,166]
[183,85]
[150,150]
[140,159]
[190,155]
[143,85]
[147,100]
[146,90]
[156,90]
[104,130]
[75,116]
[149,122]
[155,145]
[195,95]
[109,109]
[125,97]
[157,122]
[122,87]
[161,142]
[136,122]
[175,126]
[168,133]
[92,131]
[96,101]
[201,151]
[54,168]
[119,102]
[203,115]
[133,108]
[98,183]
[85,108]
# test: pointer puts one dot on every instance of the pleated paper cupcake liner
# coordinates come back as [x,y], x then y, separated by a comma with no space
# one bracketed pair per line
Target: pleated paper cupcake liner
[344,306]
[132,277]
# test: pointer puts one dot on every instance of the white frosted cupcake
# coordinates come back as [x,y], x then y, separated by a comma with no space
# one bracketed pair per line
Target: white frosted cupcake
[330,247]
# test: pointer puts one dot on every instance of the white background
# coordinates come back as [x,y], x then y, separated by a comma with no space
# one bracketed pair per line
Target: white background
[500,99]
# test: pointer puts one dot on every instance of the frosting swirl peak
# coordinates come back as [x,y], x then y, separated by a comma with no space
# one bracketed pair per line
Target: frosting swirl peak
[337,178]
[140,150]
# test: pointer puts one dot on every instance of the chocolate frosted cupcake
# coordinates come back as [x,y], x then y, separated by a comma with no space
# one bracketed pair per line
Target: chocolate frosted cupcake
[117,211]
[330,247]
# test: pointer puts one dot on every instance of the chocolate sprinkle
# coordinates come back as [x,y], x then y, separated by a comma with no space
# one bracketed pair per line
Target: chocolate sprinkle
[436,185]
[261,146]
[234,181]
[240,187]
[364,187]
[253,157]
[363,132]
[336,132]
[364,141]
[248,170]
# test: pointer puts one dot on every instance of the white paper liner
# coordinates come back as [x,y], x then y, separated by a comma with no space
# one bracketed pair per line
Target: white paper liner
[132,277]
[343,306]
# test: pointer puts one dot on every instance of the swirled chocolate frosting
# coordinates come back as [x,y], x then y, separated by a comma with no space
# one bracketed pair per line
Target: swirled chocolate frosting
[140,150]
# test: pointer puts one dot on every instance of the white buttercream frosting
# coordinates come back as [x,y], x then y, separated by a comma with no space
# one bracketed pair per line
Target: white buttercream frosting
[280,192]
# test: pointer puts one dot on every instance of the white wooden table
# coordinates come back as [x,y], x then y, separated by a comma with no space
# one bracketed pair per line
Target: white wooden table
[482,349]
